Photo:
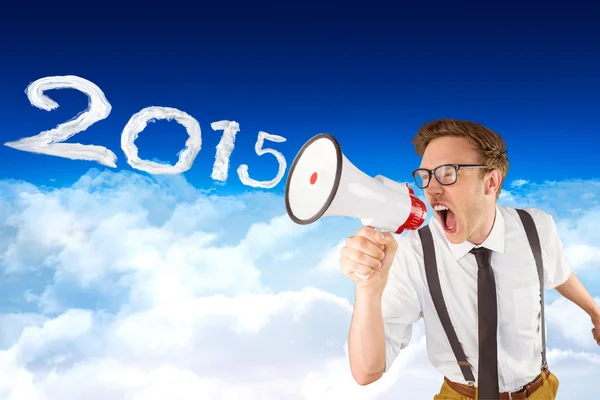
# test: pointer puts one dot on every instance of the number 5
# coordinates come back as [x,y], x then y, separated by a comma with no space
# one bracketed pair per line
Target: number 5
[49,142]
[243,169]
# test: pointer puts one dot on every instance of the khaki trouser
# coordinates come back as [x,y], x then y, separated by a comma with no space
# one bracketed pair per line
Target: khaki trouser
[546,392]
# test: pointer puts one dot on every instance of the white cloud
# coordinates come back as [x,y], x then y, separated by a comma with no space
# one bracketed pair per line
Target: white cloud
[260,150]
[572,323]
[518,183]
[50,141]
[330,263]
[138,122]
[558,198]
[261,345]
[88,239]
[159,290]
[36,339]
[583,255]
[411,374]
[224,148]
[575,206]
[288,255]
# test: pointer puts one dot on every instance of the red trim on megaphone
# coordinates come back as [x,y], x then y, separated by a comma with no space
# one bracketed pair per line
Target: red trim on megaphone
[416,217]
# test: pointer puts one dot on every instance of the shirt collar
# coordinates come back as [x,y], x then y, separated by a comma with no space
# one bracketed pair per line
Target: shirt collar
[494,241]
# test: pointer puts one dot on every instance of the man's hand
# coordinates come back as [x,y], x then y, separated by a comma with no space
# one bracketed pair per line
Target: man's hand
[371,253]
[596,328]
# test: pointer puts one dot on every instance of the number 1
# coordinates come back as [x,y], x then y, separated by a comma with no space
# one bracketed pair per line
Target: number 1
[224,148]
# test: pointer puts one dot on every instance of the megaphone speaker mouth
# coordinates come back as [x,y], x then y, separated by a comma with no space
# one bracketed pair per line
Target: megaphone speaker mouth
[313,179]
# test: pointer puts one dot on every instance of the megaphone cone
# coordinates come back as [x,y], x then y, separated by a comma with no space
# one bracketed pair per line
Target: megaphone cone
[323,182]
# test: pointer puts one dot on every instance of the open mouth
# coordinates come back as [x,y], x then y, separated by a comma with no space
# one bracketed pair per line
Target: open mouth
[446,216]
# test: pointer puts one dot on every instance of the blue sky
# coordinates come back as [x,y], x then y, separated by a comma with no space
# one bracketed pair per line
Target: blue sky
[146,285]
[367,79]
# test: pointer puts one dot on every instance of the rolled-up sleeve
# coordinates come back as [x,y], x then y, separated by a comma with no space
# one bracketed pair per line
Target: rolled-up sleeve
[557,268]
[400,304]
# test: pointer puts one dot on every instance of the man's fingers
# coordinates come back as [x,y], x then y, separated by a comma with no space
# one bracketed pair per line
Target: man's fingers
[383,239]
[596,336]
[359,269]
[364,254]
[366,245]
[360,257]
[367,231]
[349,266]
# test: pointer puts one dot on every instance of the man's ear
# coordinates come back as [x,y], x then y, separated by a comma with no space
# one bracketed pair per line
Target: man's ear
[493,181]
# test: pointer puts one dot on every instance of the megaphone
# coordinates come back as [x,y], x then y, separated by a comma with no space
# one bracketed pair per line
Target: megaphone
[323,182]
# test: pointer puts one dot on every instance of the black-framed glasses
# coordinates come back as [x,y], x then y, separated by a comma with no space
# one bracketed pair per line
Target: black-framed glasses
[445,174]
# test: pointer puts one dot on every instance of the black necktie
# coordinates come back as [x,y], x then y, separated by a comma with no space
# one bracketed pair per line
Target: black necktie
[488,386]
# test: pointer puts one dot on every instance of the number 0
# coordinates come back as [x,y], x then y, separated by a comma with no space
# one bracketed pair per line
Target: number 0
[138,122]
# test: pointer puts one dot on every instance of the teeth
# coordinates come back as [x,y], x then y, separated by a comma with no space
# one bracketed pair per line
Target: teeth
[439,207]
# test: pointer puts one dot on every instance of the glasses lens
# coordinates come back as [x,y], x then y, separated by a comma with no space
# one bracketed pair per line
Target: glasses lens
[421,178]
[446,174]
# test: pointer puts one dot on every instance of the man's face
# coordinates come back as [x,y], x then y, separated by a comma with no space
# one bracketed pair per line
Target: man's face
[465,199]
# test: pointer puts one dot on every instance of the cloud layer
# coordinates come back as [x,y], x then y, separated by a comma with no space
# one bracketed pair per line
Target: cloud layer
[128,287]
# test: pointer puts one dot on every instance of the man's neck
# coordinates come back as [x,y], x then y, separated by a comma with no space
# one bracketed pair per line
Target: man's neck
[486,225]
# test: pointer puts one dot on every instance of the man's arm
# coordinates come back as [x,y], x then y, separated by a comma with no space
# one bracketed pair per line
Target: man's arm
[382,322]
[366,339]
[558,273]
[574,291]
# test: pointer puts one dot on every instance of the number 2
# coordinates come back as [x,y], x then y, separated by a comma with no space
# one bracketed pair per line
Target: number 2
[49,142]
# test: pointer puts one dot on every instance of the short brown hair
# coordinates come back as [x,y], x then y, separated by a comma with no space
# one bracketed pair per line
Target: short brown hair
[491,146]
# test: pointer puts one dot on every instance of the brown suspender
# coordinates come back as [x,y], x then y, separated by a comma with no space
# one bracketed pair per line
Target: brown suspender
[534,243]
[433,281]
[435,290]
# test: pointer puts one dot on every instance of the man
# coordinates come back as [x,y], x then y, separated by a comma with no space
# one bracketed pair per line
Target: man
[462,170]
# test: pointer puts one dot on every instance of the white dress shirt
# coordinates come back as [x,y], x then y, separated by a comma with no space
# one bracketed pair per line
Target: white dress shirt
[406,297]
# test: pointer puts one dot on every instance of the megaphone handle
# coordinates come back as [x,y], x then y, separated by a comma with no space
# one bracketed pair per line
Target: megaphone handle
[365,277]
